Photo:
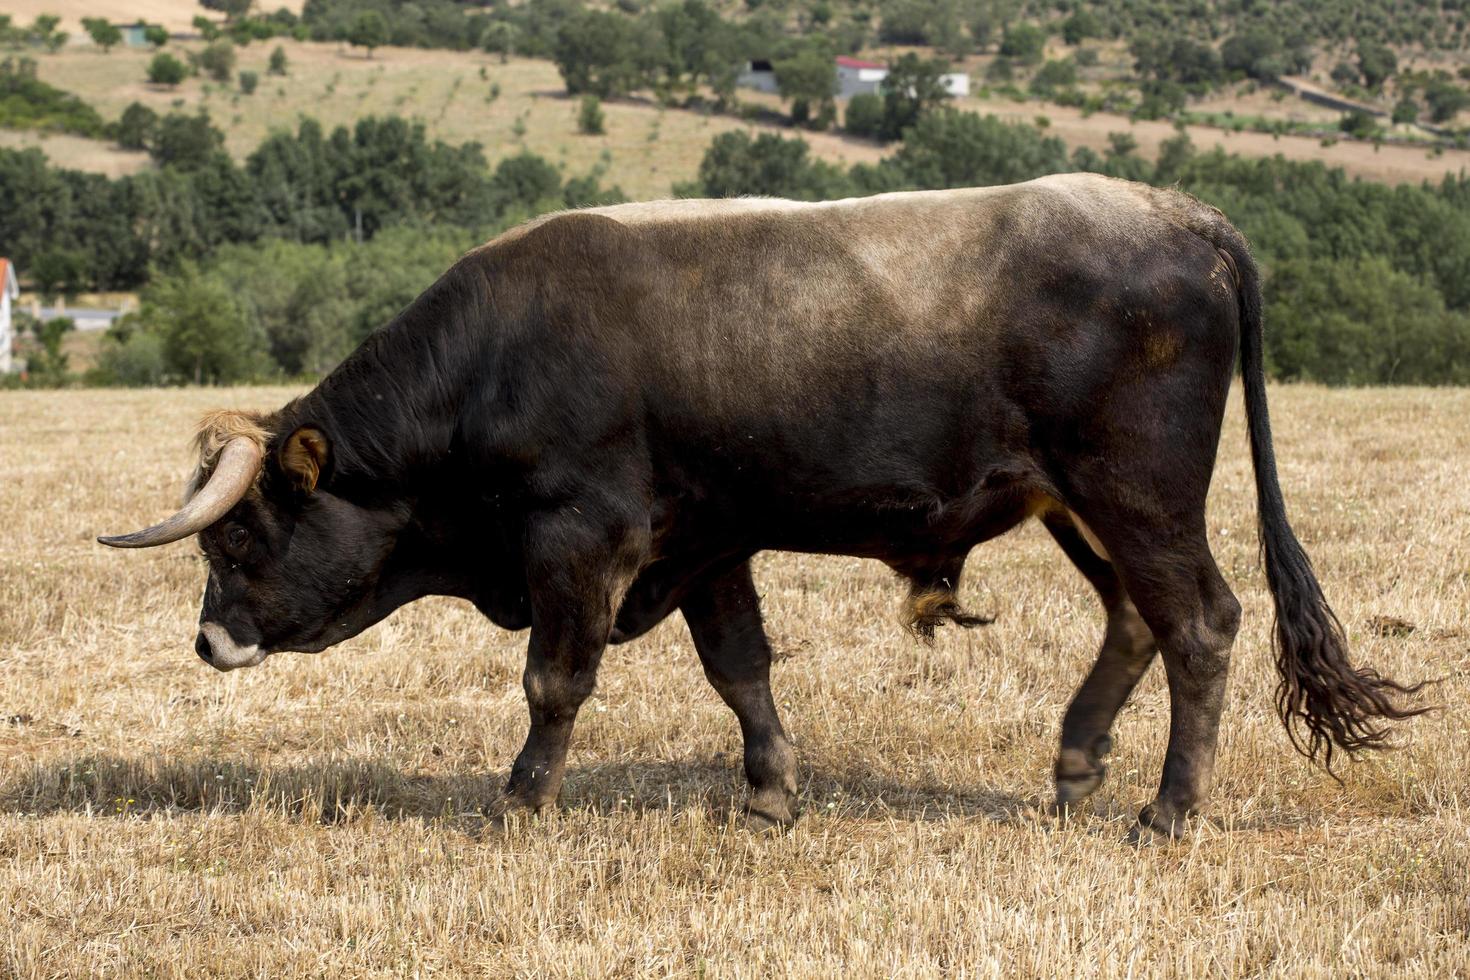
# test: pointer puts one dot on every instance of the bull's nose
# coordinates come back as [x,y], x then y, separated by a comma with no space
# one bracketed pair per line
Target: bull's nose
[202,647]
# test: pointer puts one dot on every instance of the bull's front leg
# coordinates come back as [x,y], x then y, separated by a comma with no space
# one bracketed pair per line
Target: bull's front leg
[578,567]
[724,617]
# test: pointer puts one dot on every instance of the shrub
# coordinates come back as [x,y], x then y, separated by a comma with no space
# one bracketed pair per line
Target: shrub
[1024,42]
[136,127]
[26,102]
[218,60]
[590,119]
[136,361]
[103,32]
[165,69]
[278,61]
[864,115]
[1054,75]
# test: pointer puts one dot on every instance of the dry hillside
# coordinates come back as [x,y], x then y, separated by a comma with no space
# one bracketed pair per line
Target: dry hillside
[647,148]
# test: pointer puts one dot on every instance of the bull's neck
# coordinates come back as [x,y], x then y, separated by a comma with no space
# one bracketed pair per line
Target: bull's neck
[392,407]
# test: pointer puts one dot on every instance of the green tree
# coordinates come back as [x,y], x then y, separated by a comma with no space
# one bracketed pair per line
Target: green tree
[205,335]
[50,366]
[165,69]
[1360,321]
[1082,25]
[735,165]
[1121,145]
[207,28]
[369,30]
[808,78]
[1024,43]
[104,33]
[278,64]
[606,54]
[1359,124]
[232,9]
[589,116]
[950,148]
[1444,99]
[1054,75]
[1345,73]
[136,127]
[134,360]
[499,38]
[184,141]
[912,87]
[1377,62]
[1257,52]
[864,116]
[1175,153]
[525,182]
[155,35]
[218,60]
[1406,110]
[43,31]
[59,272]
[248,81]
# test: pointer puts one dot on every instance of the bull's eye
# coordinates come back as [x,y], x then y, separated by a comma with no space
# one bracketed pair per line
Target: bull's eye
[237,538]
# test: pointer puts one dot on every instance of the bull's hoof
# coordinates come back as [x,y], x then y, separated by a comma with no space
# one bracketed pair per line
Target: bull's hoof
[769,812]
[1079,773]
[1155,827]
[512,805]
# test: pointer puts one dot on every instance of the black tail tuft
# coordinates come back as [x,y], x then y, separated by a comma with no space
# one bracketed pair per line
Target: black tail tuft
[1325,702]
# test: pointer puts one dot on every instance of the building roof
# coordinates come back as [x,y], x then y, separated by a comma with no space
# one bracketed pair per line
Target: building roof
[847,62]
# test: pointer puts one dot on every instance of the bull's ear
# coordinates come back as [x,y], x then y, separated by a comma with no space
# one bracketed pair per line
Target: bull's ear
[303,457]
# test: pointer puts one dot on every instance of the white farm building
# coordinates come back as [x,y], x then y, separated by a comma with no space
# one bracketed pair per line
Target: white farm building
[855,76]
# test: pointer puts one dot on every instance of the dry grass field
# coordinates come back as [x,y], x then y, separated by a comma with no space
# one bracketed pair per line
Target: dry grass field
[316,816]
[176,15]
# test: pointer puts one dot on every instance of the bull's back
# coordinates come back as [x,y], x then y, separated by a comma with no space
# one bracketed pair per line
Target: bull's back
[893,327]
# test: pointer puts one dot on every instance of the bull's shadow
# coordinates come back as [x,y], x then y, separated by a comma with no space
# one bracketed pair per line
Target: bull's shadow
[110,785]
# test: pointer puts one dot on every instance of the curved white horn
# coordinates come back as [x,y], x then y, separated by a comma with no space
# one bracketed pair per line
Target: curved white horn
[239,462]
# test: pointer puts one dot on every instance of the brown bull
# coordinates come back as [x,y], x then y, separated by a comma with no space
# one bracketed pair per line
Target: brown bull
[599,417]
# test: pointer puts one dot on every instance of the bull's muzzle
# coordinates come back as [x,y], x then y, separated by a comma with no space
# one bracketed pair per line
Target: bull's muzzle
[217,648]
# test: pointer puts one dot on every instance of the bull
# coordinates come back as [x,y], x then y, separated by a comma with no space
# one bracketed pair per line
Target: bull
[599,417]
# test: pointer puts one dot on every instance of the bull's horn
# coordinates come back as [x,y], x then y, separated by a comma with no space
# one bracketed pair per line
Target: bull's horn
[239,462]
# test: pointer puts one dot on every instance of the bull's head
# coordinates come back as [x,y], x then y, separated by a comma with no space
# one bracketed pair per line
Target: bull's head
[291,566]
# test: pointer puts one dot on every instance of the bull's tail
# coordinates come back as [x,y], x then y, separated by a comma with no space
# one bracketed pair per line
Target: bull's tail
[1325,702]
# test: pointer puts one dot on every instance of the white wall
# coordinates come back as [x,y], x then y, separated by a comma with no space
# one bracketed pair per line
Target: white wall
[859,81]
[7,336]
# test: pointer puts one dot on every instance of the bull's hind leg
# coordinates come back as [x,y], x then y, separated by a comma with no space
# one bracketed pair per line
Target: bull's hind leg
[1128,649]
[1163,560]
[724,618]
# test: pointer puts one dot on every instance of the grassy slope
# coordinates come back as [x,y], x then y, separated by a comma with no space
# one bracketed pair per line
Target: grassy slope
[650,148]
[304,818]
